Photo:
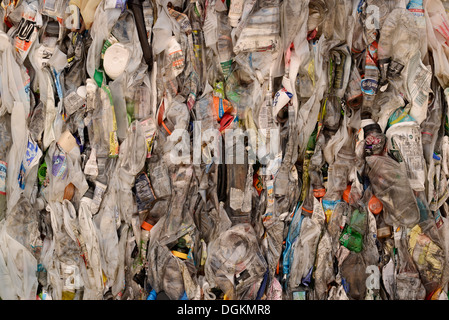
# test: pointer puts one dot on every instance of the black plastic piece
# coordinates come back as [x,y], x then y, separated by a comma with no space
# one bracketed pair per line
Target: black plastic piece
[137,9]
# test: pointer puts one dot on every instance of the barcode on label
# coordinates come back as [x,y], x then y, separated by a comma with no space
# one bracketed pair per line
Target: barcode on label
[421,98]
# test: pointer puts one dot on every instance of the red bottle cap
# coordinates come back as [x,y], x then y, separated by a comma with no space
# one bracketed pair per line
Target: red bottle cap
[146,226]
[319,193]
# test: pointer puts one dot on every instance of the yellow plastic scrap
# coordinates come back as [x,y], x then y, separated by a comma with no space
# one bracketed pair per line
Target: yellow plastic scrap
[87,10]
[426,253]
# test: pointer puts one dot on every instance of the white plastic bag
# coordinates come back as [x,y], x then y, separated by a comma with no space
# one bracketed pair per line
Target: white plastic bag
[18,268]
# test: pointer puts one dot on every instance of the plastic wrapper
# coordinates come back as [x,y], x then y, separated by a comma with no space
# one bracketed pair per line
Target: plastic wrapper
[238,267]
[304,249]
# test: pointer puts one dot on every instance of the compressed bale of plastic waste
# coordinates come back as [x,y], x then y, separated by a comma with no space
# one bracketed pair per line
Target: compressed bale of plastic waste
[214,150]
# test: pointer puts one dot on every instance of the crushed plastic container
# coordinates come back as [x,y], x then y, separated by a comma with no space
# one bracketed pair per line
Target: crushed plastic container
[217,150]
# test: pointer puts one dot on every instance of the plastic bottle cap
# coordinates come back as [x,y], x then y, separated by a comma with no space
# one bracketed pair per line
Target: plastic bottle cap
[226,121]
[82,92]
[375,205]
[69,191]
[319,193]
[116,59]
[346,193]
[40,204]
[145,225]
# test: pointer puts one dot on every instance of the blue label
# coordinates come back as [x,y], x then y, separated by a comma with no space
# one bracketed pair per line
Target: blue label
[121,4]
[278,94]
[415,4]
[58,83]
[359,7]
[21,178]
[59,167]
[31,153]
[369,86]
[220,108]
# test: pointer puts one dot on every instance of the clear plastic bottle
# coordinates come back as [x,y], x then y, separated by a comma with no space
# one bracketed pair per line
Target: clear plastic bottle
[369,83]
[224,45]
[235,12]
[147,225]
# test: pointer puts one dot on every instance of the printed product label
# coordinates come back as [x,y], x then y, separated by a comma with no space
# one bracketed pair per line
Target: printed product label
[176,57]
[113,144]
[340,72]
[369,86]
[98,197]
[50,5]
[25,35]
[257,183]
[226,67]
[115,4]
[268,215]
[21,178]
[72,102]
[419,87]
[283,91]
[149,129]
[144,192]
[221,106]
[404,142]
[416,8]
[443,27]
[438,220]
[32,155]
[59,165]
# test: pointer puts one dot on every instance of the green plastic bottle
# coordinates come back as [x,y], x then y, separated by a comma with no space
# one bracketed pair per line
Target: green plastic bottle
[352,234]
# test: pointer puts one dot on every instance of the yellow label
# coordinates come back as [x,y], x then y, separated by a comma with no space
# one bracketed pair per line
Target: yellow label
[179,255]
[113,144]
[311,71]
[114,120]
[328,214]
